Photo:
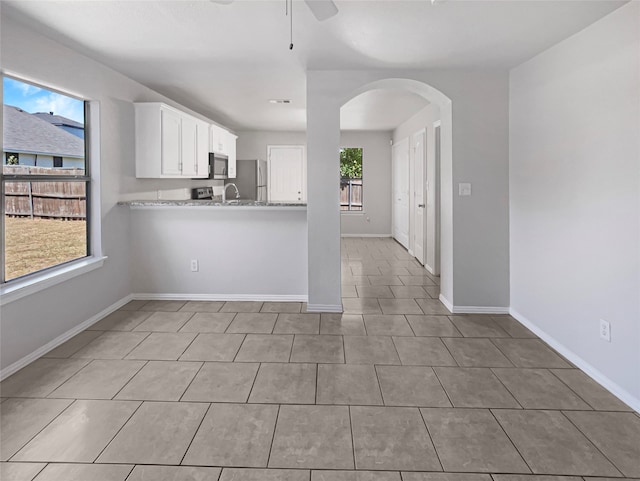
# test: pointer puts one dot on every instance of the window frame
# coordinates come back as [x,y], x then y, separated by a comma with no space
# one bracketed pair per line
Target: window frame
[349,211]
[19,287]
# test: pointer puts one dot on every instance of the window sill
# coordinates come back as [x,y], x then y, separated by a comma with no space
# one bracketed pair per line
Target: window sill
[352,212]
[13,291]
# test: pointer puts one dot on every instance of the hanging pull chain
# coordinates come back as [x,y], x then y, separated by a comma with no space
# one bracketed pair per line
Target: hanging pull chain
[291,26]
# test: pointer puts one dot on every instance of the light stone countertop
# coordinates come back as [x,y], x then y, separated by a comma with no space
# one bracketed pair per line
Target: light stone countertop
[241,204]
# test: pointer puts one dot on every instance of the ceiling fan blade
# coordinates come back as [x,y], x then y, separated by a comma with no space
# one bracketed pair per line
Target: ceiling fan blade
[322,9]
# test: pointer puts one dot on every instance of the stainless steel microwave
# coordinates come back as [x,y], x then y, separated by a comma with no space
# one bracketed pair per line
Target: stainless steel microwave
[218,166]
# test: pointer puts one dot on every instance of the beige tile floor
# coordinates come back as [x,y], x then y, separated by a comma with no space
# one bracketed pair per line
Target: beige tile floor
[394,389]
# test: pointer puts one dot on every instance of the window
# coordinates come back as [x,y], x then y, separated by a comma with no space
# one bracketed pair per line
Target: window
[45,180]
[351,179]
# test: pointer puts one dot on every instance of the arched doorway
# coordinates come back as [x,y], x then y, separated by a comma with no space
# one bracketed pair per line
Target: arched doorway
[327,92]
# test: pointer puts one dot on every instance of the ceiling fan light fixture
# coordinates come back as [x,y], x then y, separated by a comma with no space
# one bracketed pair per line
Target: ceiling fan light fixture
[322,9]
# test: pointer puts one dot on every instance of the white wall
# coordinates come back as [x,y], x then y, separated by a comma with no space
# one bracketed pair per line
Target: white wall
[33,321]
[243,253]
[375,218]
[575,196]
[377,173]
[475,236]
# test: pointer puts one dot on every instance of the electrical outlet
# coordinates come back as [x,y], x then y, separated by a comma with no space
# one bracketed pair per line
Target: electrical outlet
[605,330]
[194,265]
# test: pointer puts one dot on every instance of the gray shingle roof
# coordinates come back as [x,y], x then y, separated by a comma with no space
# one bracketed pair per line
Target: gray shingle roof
[25,132]
[58,120]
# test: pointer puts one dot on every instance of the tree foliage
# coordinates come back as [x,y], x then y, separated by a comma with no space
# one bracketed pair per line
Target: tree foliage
[351,163]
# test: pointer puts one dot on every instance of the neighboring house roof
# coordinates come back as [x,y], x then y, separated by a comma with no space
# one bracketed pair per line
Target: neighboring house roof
[58,120]
[25,132]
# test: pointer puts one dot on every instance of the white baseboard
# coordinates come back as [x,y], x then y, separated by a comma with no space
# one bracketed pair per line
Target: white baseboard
[145,296]
[41,351]
[480,310]
[431,270]
[619,392]
[472,309]
[366,235]
[324,307]
[446,302]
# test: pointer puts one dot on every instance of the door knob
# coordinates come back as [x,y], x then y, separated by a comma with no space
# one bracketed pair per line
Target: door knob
[420,205]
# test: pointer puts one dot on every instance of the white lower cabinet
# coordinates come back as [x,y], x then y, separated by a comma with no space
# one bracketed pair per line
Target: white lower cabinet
[170,143]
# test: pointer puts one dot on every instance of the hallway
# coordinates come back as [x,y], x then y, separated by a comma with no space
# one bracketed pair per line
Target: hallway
[244,391]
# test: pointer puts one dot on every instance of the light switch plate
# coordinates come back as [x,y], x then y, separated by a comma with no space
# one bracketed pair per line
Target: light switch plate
[464,189]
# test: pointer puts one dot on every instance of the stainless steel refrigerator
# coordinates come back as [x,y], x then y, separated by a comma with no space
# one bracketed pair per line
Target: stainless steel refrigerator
[251,179]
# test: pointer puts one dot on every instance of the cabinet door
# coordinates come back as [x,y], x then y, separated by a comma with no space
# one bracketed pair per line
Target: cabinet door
[202,152]
[170,142]
[189,141]
[232,155]
[219,140]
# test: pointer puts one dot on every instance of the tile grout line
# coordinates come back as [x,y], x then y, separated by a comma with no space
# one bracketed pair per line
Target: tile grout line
[120,429]
[235,356]
[231,322]
[113,398]
[444,389]
[273,436]
[502,428]
[192,380]
[375,369]
[253,383]
[426,426]
[353,440]
[571,389]
[195,433]
[71,403]
[449,350]
[563,414]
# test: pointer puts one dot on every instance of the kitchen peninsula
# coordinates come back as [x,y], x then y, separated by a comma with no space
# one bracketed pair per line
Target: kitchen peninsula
[210,250]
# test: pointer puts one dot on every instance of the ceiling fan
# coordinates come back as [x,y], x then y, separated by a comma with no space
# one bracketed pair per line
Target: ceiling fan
[321,9]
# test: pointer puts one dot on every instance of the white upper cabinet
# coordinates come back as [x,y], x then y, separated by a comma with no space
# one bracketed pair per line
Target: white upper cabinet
[202,169]
[170,143]
[189,146]
[231,167]
[219,141]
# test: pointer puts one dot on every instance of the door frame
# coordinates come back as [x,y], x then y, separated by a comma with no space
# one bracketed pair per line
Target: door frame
[304,166]
[394,146]
[413,207]
[435,269]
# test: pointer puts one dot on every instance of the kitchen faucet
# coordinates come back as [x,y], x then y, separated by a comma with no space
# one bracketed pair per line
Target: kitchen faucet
[224,191]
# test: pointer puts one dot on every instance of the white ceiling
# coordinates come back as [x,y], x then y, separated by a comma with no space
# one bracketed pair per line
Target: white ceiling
[226,61]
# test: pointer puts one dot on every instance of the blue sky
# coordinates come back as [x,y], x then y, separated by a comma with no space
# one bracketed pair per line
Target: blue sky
[35,99]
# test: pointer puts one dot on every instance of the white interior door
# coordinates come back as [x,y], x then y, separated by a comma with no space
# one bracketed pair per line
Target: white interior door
[432,262]
[286,173]
[400,159]
[419,180]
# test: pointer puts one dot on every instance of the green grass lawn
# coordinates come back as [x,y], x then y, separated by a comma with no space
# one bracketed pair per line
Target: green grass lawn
[34,244]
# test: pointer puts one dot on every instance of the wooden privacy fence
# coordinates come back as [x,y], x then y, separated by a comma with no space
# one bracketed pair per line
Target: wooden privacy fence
[59,199]
[350,194]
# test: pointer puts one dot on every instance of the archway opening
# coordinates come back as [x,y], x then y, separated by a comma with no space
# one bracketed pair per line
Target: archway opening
[327,93]
[391,203]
